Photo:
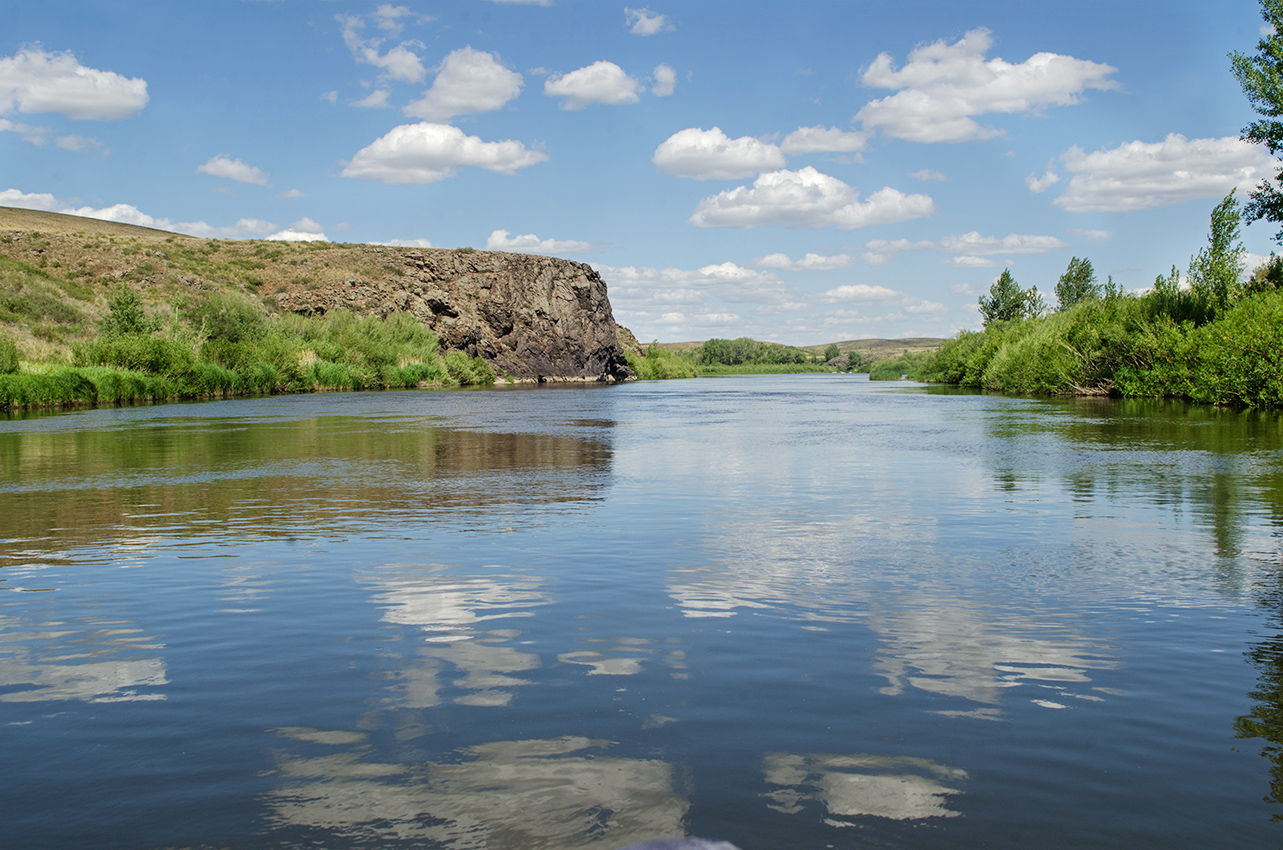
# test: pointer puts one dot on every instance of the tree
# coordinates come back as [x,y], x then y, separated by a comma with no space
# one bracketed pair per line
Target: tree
[125,315]
[832,352]
[1261,77]
[1214,271]
[1007,301]
[1078,283]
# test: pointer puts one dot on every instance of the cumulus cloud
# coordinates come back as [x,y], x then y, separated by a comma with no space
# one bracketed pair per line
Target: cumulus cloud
[1088,233]
[663,81]
[810,262]
[712,155]
[807,198]
[292,193]
[398,63]
[38,136]
[377,99]
[600,82]
[406,243]
[969,249]
[1012,243]
[1140,175]
[1038,185]
[303,230]
[390,18]
[944,86]
[467,82]
[234,169]
[863,292]
[129,214]
[33,80]
[412,154]
[929,174]
[646,22]
[499,240]
[823,140]
[81,143]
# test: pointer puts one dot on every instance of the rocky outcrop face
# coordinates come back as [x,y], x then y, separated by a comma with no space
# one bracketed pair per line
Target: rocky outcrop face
[531,318]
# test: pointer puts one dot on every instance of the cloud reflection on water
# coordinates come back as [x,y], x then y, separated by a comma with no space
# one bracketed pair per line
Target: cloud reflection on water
[71,660]
[851,786]
[558,793]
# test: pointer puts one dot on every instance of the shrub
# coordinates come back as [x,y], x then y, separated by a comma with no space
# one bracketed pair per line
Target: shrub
[10,358]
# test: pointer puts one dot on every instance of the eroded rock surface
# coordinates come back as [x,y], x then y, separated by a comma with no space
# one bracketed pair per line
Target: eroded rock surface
[531,318]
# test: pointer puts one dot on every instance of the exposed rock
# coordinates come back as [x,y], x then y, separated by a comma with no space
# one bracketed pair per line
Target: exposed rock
[531,318]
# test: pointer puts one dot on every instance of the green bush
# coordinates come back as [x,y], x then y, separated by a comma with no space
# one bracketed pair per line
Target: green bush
[10,358]
[661,364]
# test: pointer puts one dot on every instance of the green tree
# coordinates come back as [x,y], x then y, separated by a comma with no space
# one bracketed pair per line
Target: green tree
[832,352]
[1078,283]
[125,315]
[1261,77]
[1007,301]
[1214,271]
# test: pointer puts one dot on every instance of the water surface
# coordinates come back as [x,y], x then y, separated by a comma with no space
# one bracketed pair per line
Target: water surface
[789,612]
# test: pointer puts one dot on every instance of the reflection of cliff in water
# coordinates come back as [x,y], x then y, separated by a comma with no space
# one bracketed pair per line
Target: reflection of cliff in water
[556,794]
[64,487]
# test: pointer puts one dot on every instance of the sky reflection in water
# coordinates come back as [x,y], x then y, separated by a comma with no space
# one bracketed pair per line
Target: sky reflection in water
[787,612]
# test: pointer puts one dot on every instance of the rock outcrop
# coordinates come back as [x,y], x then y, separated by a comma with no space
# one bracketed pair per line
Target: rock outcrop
[532,318]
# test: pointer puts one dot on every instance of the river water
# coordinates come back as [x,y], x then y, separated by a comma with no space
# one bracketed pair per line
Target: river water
[788,612]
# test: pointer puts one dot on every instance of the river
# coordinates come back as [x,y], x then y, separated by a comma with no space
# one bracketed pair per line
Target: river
[793,613]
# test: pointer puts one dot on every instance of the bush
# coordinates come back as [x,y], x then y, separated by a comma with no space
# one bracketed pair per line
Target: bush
[661,364]
[10,358]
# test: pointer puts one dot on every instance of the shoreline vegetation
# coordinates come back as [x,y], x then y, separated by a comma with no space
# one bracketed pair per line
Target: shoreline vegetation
[1211,337]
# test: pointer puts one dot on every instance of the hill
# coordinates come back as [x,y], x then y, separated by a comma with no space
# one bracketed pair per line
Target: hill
[530,317]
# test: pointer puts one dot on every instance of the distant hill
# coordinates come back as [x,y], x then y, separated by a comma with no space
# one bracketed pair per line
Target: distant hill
[868,349]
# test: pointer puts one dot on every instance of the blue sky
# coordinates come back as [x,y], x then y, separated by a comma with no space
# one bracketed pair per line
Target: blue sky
[803,172]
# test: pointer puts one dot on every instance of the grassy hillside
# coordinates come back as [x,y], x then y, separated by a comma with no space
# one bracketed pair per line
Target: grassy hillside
[95,311]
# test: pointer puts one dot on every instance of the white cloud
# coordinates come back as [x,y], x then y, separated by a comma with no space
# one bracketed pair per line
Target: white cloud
[467,82]
[928,174]
[966,289]
[971,262]
[863,292]
[807,198]
[303,230]
[1140,175]
[600,82]
[944,86]
[646,22]
[377,99]
[292,193]
[81,143]
[38,136]
[664,81]
[712,155]
[35,81]
[129,214]
[331,96]
[398,63]
[823,140]
[388,17]
[1088,233]
[1012,243]
[234,169]
[810,262]
[969,249]
[499,240]
[412,154]
[406,243]
[523,2]
[1038,185]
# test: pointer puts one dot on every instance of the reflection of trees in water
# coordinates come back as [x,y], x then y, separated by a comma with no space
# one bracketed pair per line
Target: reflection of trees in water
[860,785]
[232,478]
[559,793]
[1265,721]
[1219,464]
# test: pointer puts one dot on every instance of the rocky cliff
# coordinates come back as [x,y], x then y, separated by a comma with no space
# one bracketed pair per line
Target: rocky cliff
[532,318]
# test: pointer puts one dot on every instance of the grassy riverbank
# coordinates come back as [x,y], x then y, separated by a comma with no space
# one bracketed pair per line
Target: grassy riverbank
[112,314]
